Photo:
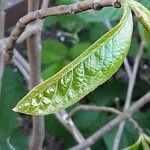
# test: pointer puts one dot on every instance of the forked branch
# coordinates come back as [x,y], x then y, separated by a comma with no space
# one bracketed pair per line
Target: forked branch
[125,115]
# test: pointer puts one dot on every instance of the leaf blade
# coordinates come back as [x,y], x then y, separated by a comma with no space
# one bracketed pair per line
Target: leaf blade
[93,67]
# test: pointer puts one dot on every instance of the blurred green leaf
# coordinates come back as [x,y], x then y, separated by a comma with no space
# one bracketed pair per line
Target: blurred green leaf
[12,91]
[52,69]
[64,2]
[78,48]
[97,16]
[146,36]
[141,144]
[146,3]
[133,48]
[53,51]
[128,137]
[53,127]
[96,30]
[85,119]
[134,146]
[142,118]
[69,22]
[90,121]
[19,140]
[106,94]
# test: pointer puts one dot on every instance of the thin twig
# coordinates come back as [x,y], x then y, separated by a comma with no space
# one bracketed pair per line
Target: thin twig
[125,115]
[58,10]
[34,27]
[21,69]
[70,126]
[21,60]
[102,109]
[2,28]
[93,108]
[129,94]
[1,68]
[127,68]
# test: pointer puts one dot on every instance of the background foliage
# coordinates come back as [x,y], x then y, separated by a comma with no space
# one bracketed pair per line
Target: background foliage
[64,38]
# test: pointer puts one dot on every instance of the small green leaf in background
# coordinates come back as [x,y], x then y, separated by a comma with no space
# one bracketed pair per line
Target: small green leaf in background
[91,69]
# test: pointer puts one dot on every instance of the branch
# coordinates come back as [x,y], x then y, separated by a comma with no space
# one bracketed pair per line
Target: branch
[1,68]
[103,109]
[34,56]
[2,27]
[21,69]
[34,27]
[132,80]
[58,10]
[125,115]
[70,126]
[127,68]
[93,108]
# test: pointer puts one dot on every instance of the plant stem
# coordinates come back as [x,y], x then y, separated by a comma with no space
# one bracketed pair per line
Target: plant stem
[34,56]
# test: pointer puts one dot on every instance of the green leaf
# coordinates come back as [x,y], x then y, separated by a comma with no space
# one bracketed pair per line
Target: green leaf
[91,69]
[145,3]
[143,142]
[19,140]
[53,127]
[146,36]
[106,94]
[147,139]
[142,13]
[134,146]
[78,49]
[70,22]
[145,146]
[95,16]
[12,91]
[52,69]
[96,30]
[53,51]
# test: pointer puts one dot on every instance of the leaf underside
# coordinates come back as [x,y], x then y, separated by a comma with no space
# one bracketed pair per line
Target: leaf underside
[91,69]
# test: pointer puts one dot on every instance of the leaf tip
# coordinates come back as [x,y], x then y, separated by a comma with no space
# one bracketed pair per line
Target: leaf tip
[15,109]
